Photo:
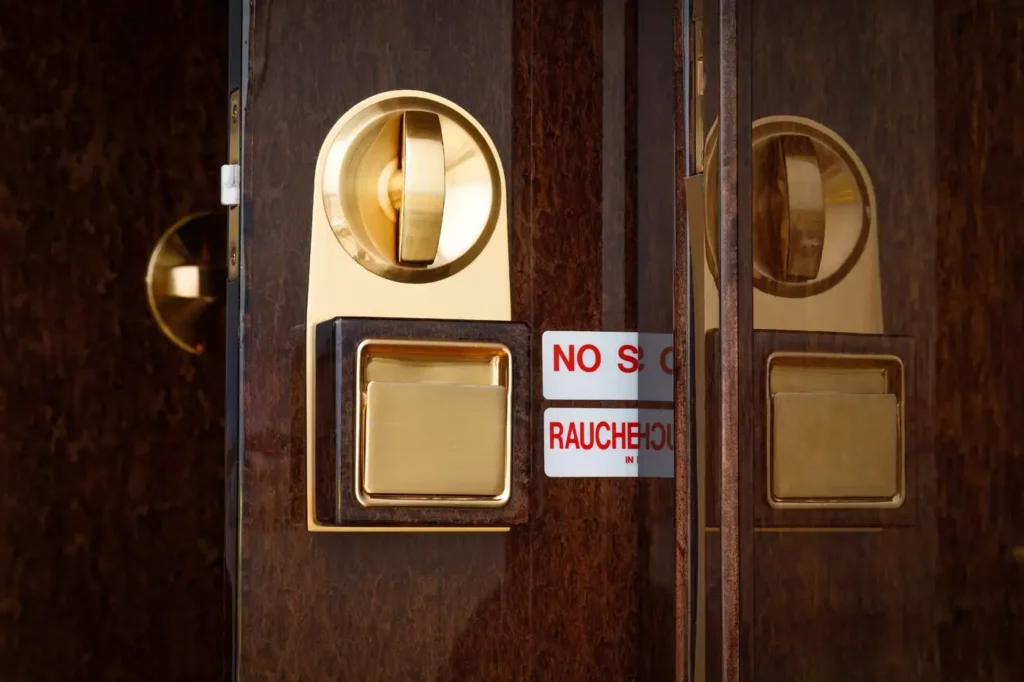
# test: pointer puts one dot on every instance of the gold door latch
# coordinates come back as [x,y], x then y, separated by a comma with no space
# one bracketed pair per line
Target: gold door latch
[188,270]
[789,208]
[416,189]
[417,386]
[814,229]
[185,281]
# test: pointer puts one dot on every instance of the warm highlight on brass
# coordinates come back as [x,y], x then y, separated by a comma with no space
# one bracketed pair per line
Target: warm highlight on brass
[835,431]
[789,209]
[409,220]
[420,202]
[186,278]
[411,187]
[815,231]
[433,424]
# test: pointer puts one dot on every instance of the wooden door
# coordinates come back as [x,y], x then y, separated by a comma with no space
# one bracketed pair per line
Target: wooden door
[833,575]
[113,123]
[580,100]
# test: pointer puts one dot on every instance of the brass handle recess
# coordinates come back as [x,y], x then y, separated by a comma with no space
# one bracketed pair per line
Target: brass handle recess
[186,279]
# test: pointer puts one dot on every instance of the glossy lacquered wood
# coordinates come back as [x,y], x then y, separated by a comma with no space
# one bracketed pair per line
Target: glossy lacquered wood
[113,124]
[564,596]
[924,93]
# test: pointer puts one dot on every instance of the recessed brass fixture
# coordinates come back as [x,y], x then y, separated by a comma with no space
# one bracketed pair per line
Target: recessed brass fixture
[835,430]
[409,221]
[433,423]
[412,186]
[813,206]
[186,278]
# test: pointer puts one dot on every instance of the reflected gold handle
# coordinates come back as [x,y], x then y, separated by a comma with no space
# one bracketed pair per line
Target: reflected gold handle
[789,208]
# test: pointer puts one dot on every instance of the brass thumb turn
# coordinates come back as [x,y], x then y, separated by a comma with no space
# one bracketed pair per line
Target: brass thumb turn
[789,208]
[807,184]
[186,279]
[416,189]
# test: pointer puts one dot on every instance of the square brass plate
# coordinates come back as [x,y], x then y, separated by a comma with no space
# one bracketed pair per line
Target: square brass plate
[433,423]
[835,431]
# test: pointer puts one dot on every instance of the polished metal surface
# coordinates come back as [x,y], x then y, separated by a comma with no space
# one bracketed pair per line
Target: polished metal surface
[835,427]
[361,187]
[433,423]
[185,281]
[416,152]
[815,231]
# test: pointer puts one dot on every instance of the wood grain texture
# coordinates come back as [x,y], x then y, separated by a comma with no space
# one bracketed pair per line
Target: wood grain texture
[927,94]
[113,126]
[558,599]
[979,368]
[337,340]
[652,288]
[733,246]
[687,551]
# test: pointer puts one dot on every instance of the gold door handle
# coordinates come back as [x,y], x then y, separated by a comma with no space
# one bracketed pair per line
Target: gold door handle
[392,187]
[416,189]
[789,208]
[186,280]
[812,207]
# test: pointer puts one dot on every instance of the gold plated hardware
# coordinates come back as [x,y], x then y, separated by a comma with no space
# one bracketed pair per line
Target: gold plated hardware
[365,262]
[835,431]
[433,423]
[234,252]
[411,187]
[815,231]
[789,209]
[420,199]
[185,281]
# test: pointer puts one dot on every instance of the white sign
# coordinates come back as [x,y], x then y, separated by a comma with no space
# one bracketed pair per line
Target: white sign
[607,366]
[608,443]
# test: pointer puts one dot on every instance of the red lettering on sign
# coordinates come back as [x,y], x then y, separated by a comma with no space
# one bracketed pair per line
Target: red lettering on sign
[659,444]
[569,358]
[555,435]
[604,435]
[630,459]
[619,435]
[572,439]
[630,356]
[666,365]
[596,357]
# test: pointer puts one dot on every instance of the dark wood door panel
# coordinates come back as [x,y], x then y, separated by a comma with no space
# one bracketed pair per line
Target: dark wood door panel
[113,123]
[924,92]
[565,596]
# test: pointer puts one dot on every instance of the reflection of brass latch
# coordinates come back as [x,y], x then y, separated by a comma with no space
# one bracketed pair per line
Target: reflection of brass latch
[789,208]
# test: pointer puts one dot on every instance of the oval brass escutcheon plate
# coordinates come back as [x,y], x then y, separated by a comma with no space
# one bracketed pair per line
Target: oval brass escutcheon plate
[412,186]
[186,279]
[812,201]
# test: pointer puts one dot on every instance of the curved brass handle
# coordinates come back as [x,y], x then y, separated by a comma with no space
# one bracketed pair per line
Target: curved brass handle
[186,280]
[789,208]
[189,281]
[416,190]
